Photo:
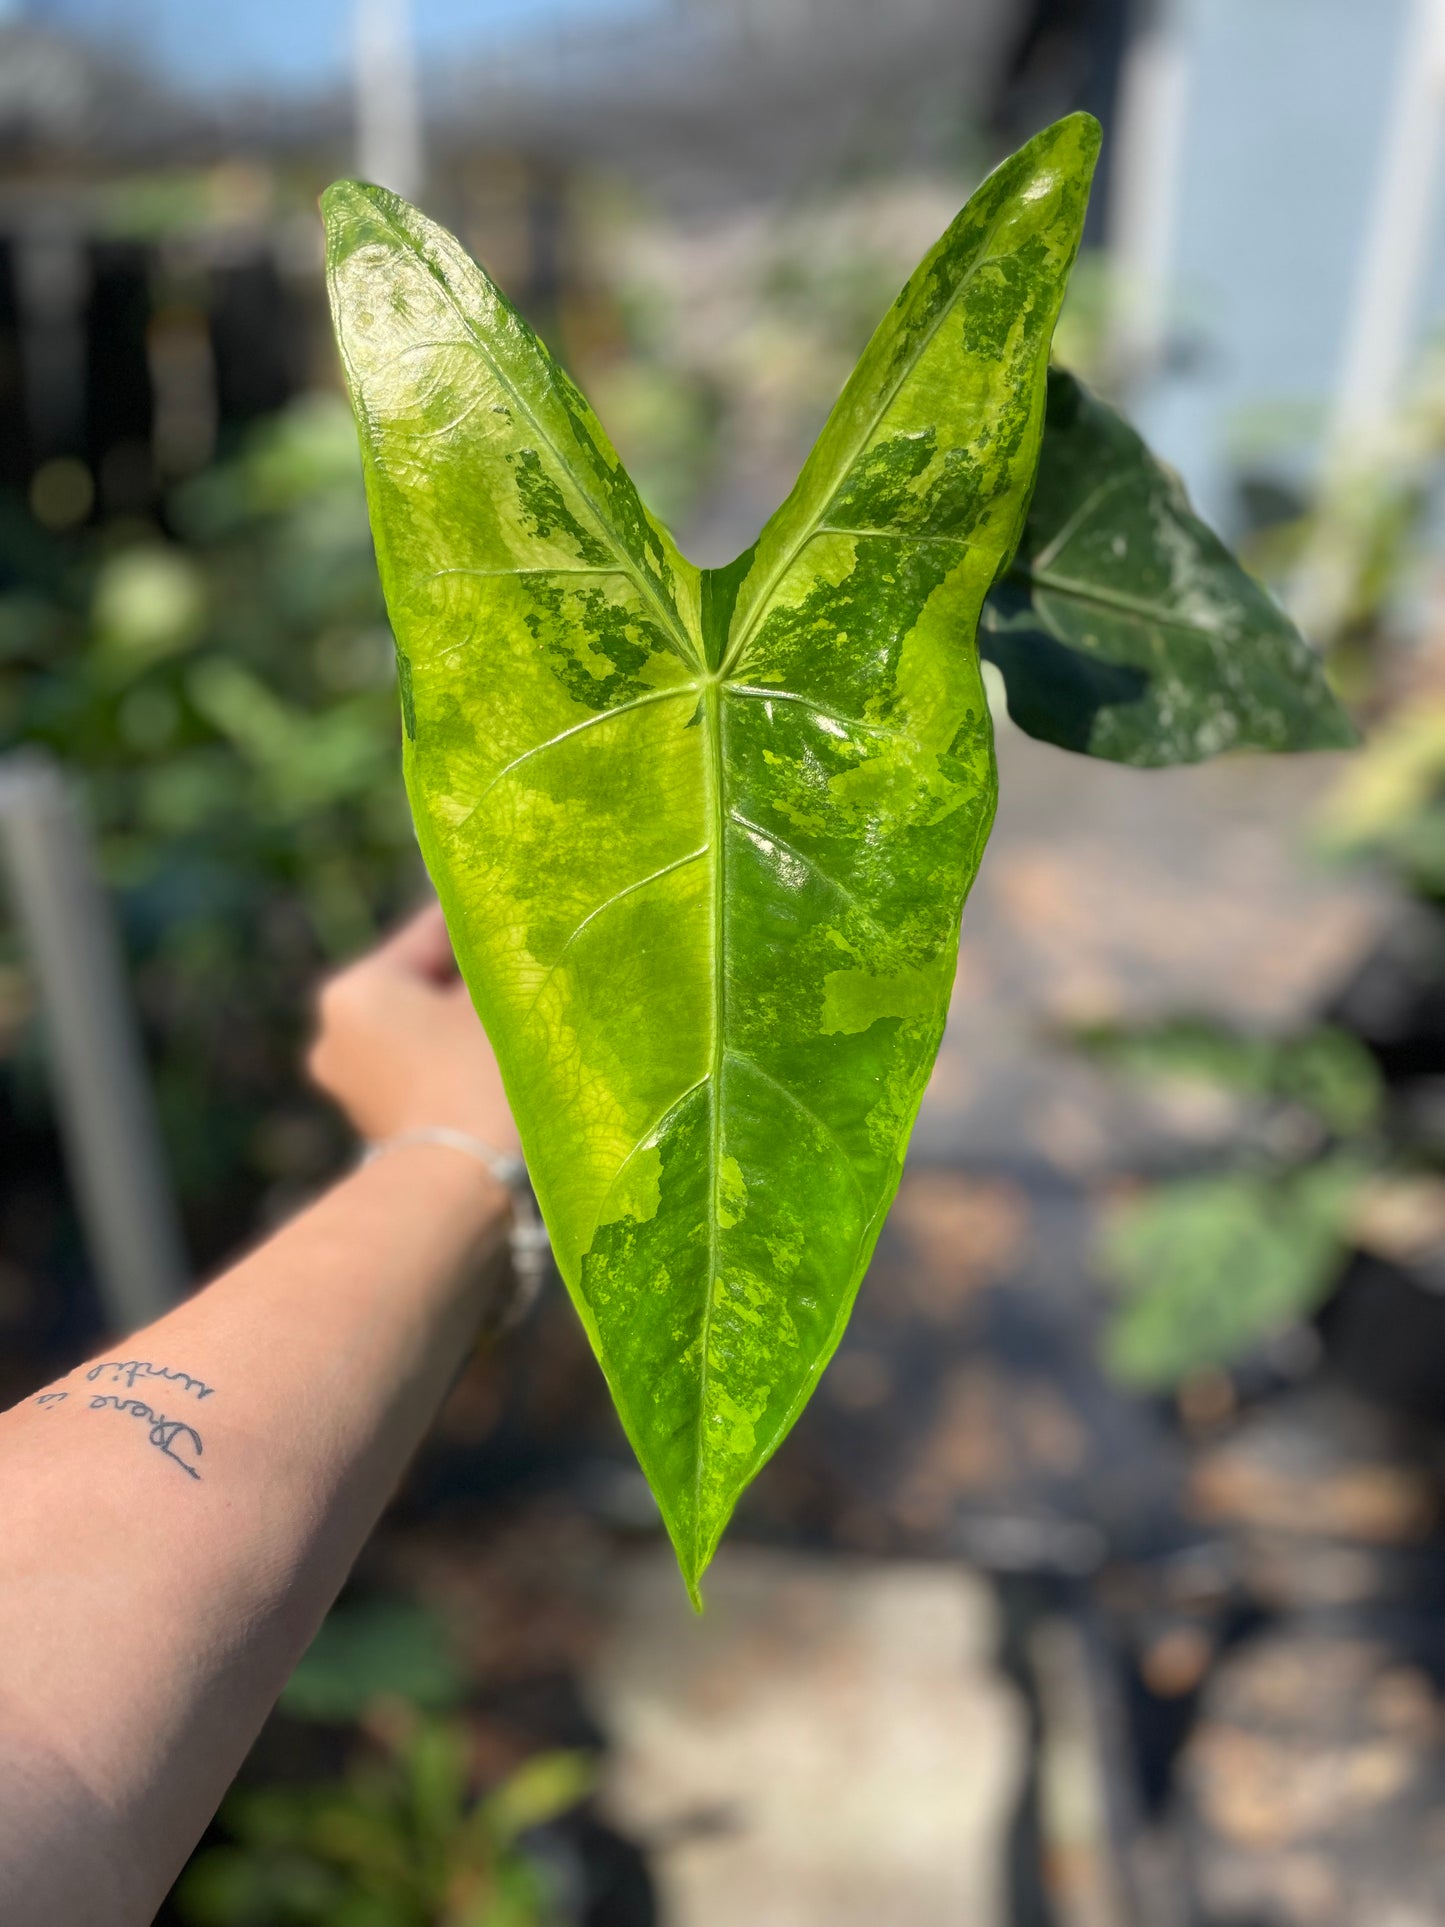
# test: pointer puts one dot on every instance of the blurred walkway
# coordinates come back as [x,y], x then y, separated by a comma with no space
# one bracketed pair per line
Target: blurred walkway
[1120,895]
[830,1746]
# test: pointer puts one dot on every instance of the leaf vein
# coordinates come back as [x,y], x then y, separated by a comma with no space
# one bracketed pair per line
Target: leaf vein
[1117,600]
[806,702]
[617,896]
[806,1110]
[588,722]
[1071,524]
[892,535]
[713,724]
[642,1143]
[542,569]
[809,863]
[446,428]
[479,346]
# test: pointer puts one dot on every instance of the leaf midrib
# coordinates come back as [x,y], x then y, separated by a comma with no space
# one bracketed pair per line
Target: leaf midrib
[715,775]
[712,723]
[713,689]
[1117,600]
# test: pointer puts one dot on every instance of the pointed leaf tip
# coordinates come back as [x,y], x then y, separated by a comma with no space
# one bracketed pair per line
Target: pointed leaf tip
[344,199]
[1073,141]
[356,214]
[1337,729]
[1086,128]
[346,215]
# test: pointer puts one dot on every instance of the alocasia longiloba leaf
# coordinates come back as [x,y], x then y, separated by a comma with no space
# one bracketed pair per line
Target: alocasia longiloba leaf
[1125,628]
[703,838]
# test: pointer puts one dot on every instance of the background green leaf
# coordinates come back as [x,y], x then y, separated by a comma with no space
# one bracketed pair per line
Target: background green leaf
[1125,629]
[1325,1071]
[1213,1265]
[369,1650]
[703,840]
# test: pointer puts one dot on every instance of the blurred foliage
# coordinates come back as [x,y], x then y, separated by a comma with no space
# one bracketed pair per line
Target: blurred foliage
[403,1839]
[1325,1074]
[1082,337]
[1390,802]
[1364,558]
[671,418]
[731,335]
[1352,559]
[379,1648]
[224,688]
[1211,1265]
[180,201]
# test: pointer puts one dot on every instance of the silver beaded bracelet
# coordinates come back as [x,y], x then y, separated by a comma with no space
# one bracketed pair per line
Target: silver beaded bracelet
[530,1247]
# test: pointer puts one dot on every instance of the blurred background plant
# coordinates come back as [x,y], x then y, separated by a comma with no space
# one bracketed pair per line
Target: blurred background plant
[1213,1265]
[1331,1155]
[223,675]
[1359,546]
[402,1840]
[409,1834]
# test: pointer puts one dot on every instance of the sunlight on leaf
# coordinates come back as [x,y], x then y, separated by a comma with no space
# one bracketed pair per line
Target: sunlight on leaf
[703,838]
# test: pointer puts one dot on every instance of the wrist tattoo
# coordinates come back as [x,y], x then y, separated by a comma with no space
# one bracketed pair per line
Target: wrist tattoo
[165,1433]
[128,1370]
[176,1440]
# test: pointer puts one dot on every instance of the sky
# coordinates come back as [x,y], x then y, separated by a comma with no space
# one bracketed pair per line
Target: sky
[296,45]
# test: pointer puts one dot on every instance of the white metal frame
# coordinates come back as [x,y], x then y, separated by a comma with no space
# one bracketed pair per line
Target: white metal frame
[103,1096]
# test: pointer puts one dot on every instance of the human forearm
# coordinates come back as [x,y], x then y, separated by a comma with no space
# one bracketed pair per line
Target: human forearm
[178,1513]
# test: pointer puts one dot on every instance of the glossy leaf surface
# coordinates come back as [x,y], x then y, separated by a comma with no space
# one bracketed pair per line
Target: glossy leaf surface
[1125,629]
[703,838]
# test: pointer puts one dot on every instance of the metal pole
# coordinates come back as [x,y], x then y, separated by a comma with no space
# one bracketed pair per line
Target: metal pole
[1144,192]
[1384,321]
[388,99]
[103,1097]
[1382,331]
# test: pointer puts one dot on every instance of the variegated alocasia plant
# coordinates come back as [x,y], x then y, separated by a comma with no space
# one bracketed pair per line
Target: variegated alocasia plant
[703,837]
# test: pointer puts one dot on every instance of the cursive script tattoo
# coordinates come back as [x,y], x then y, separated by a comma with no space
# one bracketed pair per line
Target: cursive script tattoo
[165,1433]
[50,1398]
[127,1371]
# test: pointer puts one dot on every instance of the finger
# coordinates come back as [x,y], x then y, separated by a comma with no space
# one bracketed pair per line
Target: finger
[421,947]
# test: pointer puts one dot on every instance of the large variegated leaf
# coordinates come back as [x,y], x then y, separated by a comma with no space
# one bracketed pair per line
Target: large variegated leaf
[1125,628]
[703,839]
